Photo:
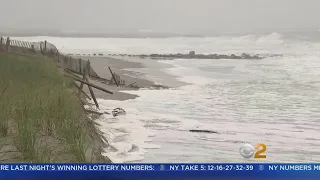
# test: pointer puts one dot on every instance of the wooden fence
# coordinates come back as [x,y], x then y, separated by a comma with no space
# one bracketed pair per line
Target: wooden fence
[72,66]
[47,49]
[76,65]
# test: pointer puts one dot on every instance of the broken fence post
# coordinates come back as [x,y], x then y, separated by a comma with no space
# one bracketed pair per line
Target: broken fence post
[113,76]
[83,78]
[7,44]
[1,40]
[79,65]
[88,68]
[81,91]
[32,48]
[92,94]
[87,79]
[45,46]
[90,84]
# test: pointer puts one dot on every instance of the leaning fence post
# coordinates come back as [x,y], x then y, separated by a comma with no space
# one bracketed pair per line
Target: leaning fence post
[7,44]
[41,48]
[70,65]
[92,94]
[1,39]
[113,76]
[45,46]
[90,88]
[88,68]
[80,68]
[32,47]
[83,78]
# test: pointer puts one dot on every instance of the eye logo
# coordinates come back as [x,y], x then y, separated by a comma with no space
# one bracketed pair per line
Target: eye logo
[248,151]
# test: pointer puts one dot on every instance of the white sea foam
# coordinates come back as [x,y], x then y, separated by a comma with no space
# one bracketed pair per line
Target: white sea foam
[274,100]
[127,137]
[245,101]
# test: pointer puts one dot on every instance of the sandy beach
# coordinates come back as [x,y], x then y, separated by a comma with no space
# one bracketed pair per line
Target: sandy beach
[112,128]
[126,70]
[118,66]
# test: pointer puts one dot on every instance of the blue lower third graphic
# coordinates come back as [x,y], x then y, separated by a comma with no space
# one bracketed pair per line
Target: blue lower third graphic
[159,171]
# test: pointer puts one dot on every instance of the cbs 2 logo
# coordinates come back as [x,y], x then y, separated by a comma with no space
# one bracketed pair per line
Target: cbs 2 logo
[261,148]
[248,151]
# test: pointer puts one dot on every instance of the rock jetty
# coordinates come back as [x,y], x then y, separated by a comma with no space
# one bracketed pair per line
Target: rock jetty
[193,55]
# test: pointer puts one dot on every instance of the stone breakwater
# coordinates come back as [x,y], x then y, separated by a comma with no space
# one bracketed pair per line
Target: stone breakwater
[203,56]
[191,55]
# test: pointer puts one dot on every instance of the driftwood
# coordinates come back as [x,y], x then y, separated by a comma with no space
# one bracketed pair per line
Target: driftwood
[90,84]
[203,131]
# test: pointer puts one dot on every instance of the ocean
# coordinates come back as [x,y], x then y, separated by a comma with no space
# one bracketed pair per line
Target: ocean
[275,101]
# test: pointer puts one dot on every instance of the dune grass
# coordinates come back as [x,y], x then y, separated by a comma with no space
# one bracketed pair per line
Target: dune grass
[39,112]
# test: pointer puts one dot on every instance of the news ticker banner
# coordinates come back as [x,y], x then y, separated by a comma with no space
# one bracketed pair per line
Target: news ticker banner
[162,167]
[160,171]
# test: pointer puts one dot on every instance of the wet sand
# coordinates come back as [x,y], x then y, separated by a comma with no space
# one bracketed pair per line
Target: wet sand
[100,65]
[118,66]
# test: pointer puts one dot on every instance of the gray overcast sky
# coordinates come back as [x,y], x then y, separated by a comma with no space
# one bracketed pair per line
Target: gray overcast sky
[161,15]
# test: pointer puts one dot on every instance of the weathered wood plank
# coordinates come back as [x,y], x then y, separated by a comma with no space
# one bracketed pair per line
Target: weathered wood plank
[90,84]
[81,91]
[114,78]
[92,94]
[83,78]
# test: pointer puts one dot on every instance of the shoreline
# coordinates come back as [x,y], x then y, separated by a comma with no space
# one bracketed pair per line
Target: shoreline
[120,67]
[106,131]
[109,127]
